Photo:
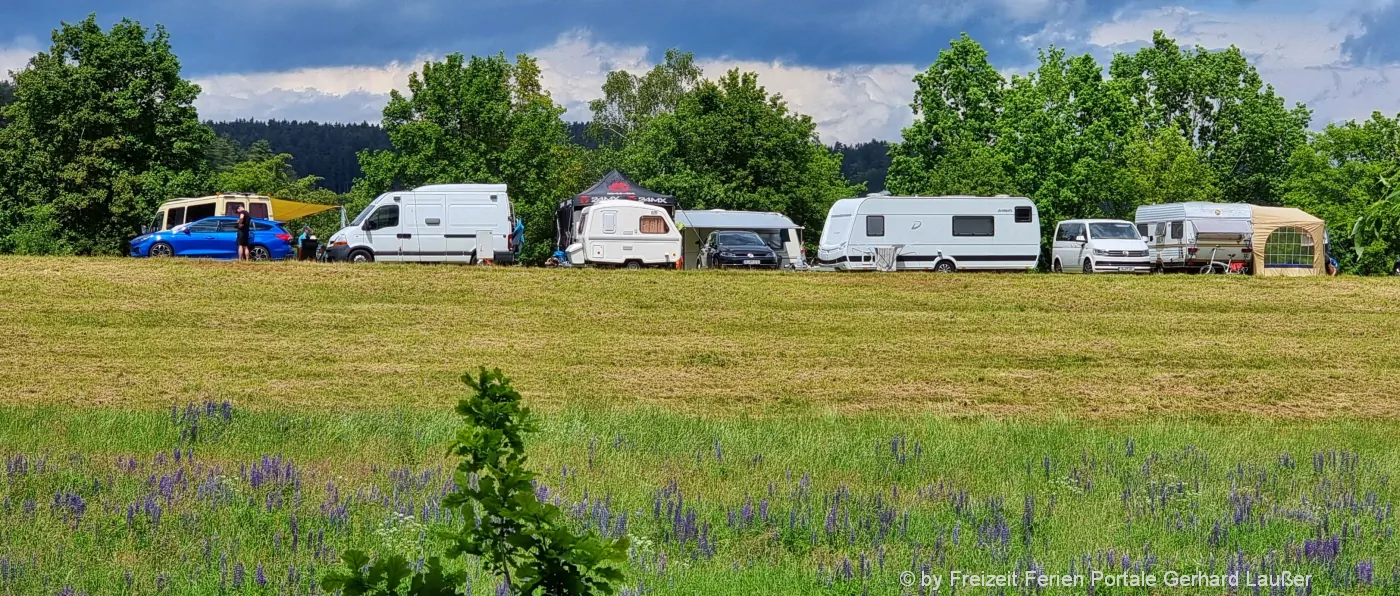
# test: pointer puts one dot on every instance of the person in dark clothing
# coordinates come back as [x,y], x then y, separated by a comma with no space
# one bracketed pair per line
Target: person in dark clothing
[245,234]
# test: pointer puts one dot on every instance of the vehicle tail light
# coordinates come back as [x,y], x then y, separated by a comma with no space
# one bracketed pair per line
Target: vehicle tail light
[680,263]
[1192,250]
[284,237]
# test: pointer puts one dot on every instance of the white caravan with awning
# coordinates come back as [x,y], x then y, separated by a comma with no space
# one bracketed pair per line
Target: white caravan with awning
[776,230]
[1197,236]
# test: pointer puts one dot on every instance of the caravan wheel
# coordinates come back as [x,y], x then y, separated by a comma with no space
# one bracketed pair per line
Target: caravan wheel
[945,267]
[634,265]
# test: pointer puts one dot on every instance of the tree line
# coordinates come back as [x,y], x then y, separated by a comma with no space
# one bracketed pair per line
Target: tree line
[101,128]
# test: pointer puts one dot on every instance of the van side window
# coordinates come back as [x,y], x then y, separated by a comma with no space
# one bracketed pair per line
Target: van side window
[1023,215]
[198,212]
[231,207]
[387,216]
[258,210]
[974,225]
[654,224]
[609,222]
[1177,230]
[1063,233]
[874,226]
[174,217]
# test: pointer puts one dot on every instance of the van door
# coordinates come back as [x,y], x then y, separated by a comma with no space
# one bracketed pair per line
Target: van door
[408,233]
[383,233]
[428,231]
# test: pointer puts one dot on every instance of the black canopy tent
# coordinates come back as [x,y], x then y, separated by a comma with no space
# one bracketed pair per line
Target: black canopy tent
[612,187]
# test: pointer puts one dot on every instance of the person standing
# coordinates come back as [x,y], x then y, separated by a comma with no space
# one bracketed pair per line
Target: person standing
[245,234]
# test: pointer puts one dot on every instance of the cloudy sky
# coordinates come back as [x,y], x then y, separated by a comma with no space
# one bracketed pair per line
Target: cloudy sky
[847,63]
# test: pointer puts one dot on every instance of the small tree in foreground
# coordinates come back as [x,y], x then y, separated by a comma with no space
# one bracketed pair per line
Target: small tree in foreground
[514,535]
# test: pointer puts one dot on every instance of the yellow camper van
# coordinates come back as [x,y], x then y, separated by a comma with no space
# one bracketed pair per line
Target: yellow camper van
[179,211]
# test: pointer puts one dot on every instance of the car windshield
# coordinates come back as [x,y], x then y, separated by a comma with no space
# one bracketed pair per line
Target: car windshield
[738,239]
[1113,231]
[359,219]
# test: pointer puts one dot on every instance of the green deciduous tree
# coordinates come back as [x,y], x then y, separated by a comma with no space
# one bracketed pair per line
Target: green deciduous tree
[1221,105]
[1344,175]
[629,101]
[729,144]
[102,129]
[951,147]
[482,120]
[1164,168]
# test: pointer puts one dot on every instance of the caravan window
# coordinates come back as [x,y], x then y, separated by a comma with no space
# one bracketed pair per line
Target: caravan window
[874,226]
[974,225]
[174,217]
[1178,230]
[198,212]
[1142,230]
[1023,215]
[654,224]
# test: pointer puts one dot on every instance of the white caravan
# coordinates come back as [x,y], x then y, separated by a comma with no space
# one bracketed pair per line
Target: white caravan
[629,234]
[443,223]
[939,233]
[1198,237]
[1098,246]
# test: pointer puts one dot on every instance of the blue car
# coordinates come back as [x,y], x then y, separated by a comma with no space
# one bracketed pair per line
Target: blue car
[215,238]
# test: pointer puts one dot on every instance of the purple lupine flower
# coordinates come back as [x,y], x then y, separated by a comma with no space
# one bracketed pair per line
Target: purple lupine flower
[259,576]
[238,575]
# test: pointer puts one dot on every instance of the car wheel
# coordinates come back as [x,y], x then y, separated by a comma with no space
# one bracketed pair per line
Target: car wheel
[1057,267]
[945,267]
[634,265]
[1088,266]
[361,256]
[161,249]
[259,253]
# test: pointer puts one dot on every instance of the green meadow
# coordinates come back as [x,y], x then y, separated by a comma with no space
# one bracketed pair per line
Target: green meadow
[207,428]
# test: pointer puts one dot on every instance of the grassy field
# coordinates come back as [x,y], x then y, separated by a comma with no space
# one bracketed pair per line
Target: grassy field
[203,428]
[147,334]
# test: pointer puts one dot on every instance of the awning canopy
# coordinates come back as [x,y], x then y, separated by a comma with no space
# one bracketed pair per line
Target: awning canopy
[614,186]
[738,220]
[284,210]
[1268,220]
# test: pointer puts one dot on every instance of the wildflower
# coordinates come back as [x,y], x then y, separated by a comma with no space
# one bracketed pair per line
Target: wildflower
[260,577]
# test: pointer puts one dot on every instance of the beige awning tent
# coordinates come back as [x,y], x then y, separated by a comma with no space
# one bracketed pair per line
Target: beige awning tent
[1296,237]
[285,210]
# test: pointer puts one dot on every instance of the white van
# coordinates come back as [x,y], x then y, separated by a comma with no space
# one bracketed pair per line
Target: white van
[627,234]
[443,223]
[939,233]
[1198,236]
[1099,246]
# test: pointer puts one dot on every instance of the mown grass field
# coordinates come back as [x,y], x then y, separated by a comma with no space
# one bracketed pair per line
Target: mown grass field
[147,334]
[754,433]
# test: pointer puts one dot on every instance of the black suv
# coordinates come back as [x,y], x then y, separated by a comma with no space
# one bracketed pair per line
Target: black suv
[735,248]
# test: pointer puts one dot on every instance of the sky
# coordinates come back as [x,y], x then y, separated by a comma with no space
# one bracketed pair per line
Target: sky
[849,64]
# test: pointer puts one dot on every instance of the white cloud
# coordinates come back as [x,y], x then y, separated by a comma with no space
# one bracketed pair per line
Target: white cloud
[1299,53]
[15,55]
[849,104]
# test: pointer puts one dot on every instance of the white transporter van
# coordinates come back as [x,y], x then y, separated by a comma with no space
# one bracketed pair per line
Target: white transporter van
[627,234]
[1197,236]
[938,233]
[1098,246]
[443,223]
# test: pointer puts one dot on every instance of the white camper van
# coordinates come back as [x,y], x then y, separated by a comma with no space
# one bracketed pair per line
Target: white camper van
[1098,246]
[1198,236]
[629,234]
[443,223]
[939,233]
